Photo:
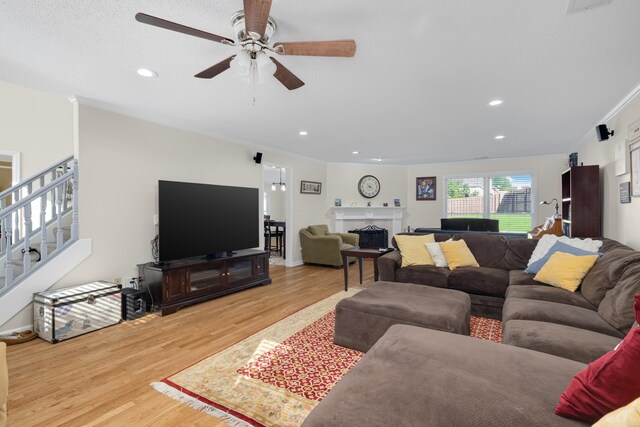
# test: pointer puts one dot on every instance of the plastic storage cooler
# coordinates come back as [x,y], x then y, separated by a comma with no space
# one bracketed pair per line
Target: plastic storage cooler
[61,314]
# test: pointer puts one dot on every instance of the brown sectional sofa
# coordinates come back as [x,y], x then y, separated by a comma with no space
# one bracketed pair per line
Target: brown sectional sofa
[416,376]
[581,326]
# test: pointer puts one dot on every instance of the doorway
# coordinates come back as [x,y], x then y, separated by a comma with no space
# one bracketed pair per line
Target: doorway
[276,192]
[9,172]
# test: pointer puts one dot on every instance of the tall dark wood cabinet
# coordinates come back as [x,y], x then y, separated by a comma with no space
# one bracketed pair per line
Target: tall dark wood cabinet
[184,282]
[581,205]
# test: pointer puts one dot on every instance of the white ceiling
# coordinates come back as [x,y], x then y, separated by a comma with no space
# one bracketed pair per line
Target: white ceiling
[415,92]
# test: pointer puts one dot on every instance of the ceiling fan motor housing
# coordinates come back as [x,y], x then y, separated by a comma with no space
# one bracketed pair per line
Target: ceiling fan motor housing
[237,21]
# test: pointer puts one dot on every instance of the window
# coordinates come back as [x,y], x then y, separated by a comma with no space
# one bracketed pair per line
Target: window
[505,197]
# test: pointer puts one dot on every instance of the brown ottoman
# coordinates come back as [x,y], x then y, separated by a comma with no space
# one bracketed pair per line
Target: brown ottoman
[363,318]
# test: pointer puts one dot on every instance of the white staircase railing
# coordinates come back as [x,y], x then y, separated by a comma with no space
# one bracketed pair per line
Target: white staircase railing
[35,217]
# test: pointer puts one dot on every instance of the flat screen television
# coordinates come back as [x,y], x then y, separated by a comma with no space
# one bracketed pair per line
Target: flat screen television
[205,220]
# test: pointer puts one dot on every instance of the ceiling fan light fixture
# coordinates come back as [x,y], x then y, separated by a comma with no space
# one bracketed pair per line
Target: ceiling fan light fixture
[265,67]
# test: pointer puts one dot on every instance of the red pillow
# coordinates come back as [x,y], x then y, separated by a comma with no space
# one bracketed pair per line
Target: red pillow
[607,383]
[636,307]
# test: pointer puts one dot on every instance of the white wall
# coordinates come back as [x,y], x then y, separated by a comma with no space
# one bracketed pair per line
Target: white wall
[620,221]
[36,124]
[343,178]
[546,169]
[121,160]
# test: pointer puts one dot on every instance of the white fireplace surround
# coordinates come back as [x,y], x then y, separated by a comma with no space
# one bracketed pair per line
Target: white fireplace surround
[348,218]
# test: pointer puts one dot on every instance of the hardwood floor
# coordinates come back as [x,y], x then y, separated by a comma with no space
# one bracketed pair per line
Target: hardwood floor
[102,378]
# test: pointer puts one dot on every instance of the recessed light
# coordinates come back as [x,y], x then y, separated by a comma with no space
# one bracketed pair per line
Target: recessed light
[498,137]
[145,72]
[354,152]
[495,102]
[377,159]
[303,133]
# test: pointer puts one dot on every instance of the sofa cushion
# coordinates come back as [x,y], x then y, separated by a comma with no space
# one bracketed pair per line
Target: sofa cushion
[536,266]
[438,237]
[488,249]
[520,278]
[518,253]
[420,377]
[607,384]
[548,240]
[617,306]
[436,254]
[413,249]
[607,272]
[480,280]
[424,275]
[318,230]
[549,293]
[566,271]
[627,416]
[560,340]
[457,254]
[553,312]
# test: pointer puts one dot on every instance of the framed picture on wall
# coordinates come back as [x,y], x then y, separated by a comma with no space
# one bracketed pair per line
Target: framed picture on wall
[426,188]
[310,187]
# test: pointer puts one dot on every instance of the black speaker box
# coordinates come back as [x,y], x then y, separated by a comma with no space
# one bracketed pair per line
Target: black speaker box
[134,305]
[258,158]
[602,132]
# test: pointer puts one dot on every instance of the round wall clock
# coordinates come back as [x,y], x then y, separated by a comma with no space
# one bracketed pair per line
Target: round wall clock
[369,186]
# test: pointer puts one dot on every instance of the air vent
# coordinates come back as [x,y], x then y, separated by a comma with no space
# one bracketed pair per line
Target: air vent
[576,6]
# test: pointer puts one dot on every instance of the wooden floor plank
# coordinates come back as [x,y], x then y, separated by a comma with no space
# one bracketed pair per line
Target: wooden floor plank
[102,378]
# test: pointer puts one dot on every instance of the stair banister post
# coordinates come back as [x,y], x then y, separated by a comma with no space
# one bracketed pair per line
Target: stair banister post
[27,238]
[8,267]
[43,223]
[74,203]
[59,236]
[16,216]
[65,169]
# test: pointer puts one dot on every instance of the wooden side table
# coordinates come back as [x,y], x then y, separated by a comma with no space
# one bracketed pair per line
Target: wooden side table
[361,253]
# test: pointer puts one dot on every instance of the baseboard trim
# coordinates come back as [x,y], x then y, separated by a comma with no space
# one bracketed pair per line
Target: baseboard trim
[18,329]
[295,263]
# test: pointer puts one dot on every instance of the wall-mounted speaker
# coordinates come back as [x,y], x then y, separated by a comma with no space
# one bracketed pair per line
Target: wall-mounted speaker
[258,158]
[603,132]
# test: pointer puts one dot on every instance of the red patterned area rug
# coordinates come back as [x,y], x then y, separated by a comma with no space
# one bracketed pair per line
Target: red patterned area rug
[278,375]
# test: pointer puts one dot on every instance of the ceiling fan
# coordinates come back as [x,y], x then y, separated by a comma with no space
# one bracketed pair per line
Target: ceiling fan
[254,28]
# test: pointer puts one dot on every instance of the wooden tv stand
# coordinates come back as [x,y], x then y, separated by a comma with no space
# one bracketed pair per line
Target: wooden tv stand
[180,283]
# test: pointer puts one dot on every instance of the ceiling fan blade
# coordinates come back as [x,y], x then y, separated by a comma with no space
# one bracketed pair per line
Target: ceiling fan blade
[168,25]
[216,69]
[326,48]
[256,15]
[286,77]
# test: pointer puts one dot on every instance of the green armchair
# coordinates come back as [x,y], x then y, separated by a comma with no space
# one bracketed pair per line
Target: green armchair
[321,247]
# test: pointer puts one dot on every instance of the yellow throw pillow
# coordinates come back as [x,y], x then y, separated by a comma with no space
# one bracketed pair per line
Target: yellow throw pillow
[565,271]
[457,254]
[627,416]
[413,249]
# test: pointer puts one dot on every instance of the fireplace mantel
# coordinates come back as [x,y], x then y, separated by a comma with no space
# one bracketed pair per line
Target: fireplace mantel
[342,216]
